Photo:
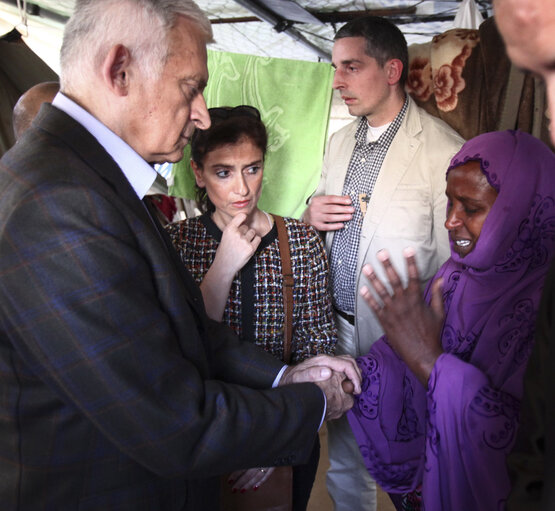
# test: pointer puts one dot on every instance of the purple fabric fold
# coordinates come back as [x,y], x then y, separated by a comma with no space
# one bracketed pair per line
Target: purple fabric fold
[452,438]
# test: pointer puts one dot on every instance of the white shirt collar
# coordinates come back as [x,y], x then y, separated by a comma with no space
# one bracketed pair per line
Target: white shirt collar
[137,171]
[374,133]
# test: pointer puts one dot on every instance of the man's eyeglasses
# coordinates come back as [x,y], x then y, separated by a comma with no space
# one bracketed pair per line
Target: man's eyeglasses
[225,112]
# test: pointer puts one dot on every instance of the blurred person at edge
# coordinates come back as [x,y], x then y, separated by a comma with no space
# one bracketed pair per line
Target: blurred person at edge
[528,29]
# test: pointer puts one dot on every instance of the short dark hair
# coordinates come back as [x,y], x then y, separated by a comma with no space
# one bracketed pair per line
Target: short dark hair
[384,40]
[229,126]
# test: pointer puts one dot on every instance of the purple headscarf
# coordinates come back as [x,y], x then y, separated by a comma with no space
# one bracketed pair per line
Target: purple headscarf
[452,439]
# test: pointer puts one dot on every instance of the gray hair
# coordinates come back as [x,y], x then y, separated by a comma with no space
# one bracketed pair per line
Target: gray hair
[142,26]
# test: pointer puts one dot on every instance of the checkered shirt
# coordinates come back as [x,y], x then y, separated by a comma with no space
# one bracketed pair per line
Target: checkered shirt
[364,168]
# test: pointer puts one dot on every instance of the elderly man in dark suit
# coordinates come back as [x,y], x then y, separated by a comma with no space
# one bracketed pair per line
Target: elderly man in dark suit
[117,392]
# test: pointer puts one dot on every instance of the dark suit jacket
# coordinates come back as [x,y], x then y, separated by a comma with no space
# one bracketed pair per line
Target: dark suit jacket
[116,390]
[532,460]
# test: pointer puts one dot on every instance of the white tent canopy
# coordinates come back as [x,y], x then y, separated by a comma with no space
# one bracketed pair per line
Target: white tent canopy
[300,30]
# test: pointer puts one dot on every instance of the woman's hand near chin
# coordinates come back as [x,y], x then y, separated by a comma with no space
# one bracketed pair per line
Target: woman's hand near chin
[238,245]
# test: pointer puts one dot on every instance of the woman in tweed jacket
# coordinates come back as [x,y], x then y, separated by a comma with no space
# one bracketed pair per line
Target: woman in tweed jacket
[232,251]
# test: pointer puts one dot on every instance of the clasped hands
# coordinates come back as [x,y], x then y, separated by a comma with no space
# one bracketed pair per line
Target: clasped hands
[412,326]
[338,377]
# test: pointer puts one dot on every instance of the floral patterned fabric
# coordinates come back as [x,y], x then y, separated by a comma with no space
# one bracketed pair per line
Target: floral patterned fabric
[438,70]
[462,76]
[453,437]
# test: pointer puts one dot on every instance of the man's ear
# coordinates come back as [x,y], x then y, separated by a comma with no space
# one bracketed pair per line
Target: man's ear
[198,174]
[394,69]
[115,69]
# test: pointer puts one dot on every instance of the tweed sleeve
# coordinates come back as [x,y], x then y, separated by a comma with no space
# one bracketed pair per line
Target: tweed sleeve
[196,248]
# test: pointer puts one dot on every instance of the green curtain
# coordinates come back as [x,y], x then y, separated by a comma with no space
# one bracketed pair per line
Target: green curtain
[294,99]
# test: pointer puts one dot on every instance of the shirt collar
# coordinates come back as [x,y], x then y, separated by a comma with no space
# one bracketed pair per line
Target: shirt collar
[361,134]
[137,171]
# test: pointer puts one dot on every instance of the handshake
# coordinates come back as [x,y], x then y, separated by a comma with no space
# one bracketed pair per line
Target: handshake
[338,377]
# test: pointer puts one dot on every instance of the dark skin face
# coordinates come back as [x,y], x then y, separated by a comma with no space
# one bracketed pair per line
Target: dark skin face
[470,198]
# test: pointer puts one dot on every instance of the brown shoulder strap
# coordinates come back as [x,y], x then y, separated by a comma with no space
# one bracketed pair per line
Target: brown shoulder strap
[285,255]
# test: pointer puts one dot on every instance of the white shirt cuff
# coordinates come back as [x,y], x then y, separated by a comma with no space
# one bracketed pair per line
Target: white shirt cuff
[278,377]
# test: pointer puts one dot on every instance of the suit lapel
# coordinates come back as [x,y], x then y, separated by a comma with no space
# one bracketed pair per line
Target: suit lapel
[198,303]
[337,179]
[343,155]
[396,163]
[64,127]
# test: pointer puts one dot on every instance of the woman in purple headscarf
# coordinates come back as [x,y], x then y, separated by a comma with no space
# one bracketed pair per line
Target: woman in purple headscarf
[439,408]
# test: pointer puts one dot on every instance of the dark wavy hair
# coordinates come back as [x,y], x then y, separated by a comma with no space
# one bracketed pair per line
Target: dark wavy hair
[229,126]
[384,40]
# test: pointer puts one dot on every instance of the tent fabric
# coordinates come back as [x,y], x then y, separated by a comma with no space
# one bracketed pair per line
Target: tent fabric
[468,15]
[294,99]
[20,69]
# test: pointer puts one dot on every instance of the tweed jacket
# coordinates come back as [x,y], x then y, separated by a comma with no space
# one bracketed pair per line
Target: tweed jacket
[117,391]
[407,207]
[254,308]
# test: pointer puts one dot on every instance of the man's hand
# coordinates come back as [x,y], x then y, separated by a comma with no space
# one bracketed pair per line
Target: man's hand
[329,212]
[321,368]
[412,327]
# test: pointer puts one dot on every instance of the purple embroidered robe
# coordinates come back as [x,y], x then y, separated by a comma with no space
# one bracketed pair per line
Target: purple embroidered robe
[453,437]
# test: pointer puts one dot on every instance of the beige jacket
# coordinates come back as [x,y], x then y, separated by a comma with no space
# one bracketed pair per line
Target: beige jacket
[407,207]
